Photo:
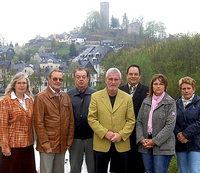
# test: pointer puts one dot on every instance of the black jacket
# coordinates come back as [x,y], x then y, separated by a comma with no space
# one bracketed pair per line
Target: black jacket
[140,94]
[80,110]
[188,122]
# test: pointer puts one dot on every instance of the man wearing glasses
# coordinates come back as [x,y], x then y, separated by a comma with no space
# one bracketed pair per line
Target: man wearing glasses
[111,116]
[54,124]
[138,91]
[83,136]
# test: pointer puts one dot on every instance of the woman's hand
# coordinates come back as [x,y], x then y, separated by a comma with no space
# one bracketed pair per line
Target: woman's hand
[148,143]
[181,138]
[7,153]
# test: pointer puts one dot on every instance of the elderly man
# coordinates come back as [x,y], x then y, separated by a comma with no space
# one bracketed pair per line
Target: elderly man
[111,116]
[83,136]
[54,124]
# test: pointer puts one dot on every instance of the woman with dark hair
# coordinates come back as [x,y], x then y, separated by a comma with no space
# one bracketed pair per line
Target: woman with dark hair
[154,128]
[16,127]
[187,129]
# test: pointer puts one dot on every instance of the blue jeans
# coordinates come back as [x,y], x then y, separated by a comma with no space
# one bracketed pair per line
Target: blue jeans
[156,163]
[188,161]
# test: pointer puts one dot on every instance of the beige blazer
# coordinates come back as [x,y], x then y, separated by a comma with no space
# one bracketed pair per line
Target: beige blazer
[102,118]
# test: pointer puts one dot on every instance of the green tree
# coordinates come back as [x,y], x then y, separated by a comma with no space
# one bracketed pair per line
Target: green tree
[72,50]
[176,58]
[94,20]
[15,59]
[114,22]
[155,29]
[125,22]
[35,80]
[124,58]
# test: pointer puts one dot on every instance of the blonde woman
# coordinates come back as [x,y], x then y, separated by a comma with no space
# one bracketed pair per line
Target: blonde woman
[16,127]
[187,129]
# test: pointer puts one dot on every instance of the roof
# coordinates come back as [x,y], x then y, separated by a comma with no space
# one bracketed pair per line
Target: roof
[87,64]
[46,59]
[5,49]
[20,67]
[45,54]
[98,52]
[7,63]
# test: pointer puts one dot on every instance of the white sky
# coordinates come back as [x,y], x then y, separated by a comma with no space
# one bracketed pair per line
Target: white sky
[22,20]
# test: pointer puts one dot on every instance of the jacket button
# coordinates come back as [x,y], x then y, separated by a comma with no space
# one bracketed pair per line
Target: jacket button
[81,115]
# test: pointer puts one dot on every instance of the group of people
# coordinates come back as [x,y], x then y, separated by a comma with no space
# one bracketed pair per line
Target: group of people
[133,127]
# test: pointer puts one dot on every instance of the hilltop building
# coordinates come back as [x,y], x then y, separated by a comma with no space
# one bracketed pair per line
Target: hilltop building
[104,11]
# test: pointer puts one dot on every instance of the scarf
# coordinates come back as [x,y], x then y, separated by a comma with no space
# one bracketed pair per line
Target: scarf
[186,102]
[155,101]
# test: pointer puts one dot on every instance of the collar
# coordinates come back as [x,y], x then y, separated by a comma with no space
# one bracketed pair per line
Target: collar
[57,94]
[129,86]
[189,100]
[186,102]
[13,96]
[81,91]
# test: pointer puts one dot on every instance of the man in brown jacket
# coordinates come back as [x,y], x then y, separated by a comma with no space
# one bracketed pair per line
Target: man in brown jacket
[54,124]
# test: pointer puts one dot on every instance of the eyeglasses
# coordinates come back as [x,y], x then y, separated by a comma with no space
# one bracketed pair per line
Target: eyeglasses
[133,74]
[21,83]
[115,80]
[55,79]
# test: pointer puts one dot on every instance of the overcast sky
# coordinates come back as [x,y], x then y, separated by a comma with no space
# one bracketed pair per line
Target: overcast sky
[22,20]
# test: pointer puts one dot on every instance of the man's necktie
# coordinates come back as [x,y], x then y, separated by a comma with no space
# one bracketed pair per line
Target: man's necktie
[132,90]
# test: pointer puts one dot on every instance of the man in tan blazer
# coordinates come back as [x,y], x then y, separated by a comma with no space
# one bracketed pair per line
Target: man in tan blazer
[111,116]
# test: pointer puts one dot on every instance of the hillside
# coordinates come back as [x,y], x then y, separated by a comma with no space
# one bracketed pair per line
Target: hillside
[118,35]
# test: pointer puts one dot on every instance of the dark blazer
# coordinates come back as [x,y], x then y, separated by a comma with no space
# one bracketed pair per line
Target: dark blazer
[135,158]
[139,95]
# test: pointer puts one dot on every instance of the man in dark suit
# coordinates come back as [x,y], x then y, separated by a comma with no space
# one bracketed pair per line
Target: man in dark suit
[139,93]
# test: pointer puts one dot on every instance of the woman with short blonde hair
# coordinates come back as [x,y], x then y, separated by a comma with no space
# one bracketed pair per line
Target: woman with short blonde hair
[187,129]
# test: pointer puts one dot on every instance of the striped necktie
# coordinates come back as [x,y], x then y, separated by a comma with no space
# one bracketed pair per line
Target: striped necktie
[132,90]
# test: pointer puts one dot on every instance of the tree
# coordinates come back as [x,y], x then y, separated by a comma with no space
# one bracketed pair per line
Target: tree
[15,59]
[72,50]
[11,45]
[35,80]
[155,29]
[114,22]
[94,20]
[176,58]
[125,22]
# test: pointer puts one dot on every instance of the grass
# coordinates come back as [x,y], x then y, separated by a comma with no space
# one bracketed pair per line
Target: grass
[173,166]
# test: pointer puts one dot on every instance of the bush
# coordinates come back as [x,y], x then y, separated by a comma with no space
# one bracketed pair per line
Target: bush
[173,166]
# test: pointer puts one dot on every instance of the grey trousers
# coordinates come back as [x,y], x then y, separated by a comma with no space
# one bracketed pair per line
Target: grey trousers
[52,162]
[76,154]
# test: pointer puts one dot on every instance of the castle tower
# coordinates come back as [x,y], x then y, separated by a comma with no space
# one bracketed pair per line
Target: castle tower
[104,11]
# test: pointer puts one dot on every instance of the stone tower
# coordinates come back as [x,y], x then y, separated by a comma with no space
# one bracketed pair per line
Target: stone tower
[104,11]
